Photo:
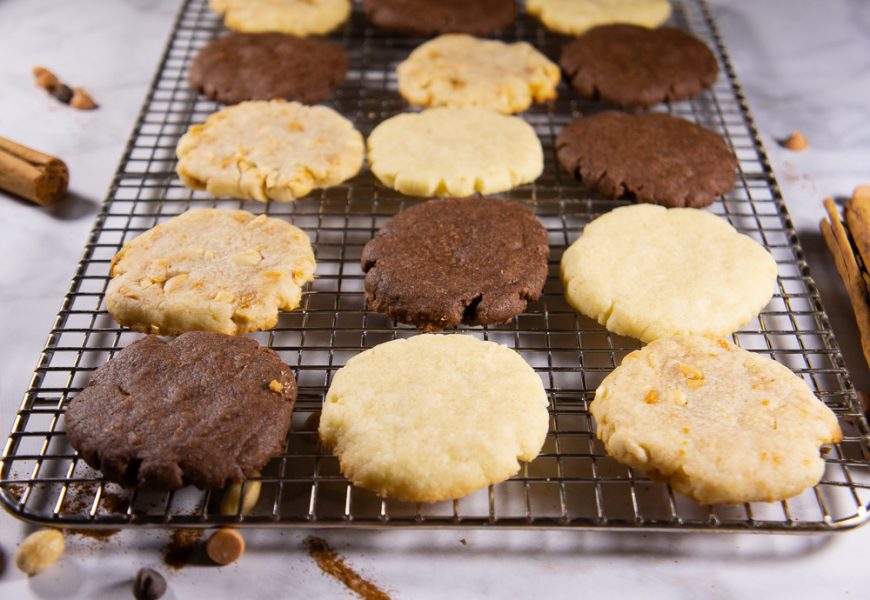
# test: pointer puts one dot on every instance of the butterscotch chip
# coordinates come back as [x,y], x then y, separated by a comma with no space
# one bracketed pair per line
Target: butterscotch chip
[227,271]
[727,426]
[796,141]
[225,546]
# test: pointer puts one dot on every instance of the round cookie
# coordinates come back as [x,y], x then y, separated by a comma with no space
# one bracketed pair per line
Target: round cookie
[635,66]
[650,272]
[575,17]
[451,261]
[296,17]
[210,270]
[203,409]
[720,424]
[263,66]
[459,70]
[434,417]
[454,152]
[274,150]
[425,17]
[655,157]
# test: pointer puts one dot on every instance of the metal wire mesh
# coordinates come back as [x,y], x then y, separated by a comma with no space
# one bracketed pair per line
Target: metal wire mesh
[573,483]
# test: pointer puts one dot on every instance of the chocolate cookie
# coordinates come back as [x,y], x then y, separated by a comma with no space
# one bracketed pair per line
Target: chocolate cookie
[264,66]
[635,66]
[433,17]
[201,409]
[655,157]
[451,261]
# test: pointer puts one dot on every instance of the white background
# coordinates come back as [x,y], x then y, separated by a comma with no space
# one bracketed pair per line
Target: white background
[804,64]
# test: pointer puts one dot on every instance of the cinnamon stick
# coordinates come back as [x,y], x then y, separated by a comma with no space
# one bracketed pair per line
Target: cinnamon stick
[858,219]
[847,266]
[35,176]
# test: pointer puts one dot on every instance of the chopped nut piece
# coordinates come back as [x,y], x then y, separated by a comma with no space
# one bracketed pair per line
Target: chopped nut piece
[230,499]
[693,375]
[248,258]
[224,296]
[652,397]
[45,78]
[796,141]
[225,546]
[63,93]
[39,550]
[276,386]
[81,100]
[174,283]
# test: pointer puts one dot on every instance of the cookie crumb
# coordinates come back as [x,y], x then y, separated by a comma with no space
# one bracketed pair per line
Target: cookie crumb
[276,386]
[331,563]
[463,541]
[795,141]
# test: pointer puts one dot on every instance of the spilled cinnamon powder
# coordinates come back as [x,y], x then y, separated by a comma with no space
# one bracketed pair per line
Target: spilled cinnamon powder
[181,547]
[332,563]
[101,535]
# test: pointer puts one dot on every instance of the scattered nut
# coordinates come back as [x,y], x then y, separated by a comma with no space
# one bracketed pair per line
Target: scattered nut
[39,550]
[63,93]
[796,141]
[82,100]
[276,386]
[230,499]
[225,546]
[149,585]
[45,78]
[862,192]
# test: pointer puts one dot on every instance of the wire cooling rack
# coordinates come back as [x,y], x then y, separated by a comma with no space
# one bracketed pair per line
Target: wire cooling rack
[573,483]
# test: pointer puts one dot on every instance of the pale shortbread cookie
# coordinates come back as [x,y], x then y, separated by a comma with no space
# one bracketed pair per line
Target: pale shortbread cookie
[269,150]
[210,270]
[649,272]
[454,152]
[434,417]
[575,17]
[460,70]
[720,424]
[296,17]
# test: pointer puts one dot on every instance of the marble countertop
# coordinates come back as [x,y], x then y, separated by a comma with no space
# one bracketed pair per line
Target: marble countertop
[804,64]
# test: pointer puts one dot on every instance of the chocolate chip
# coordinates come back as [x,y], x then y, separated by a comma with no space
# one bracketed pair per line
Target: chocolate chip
[63,92]
[149,585]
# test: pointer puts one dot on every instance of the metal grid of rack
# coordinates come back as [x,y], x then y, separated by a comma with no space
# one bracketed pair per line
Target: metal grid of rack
[573,483]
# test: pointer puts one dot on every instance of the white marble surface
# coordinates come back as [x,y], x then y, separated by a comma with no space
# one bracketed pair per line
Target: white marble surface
[804,64]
